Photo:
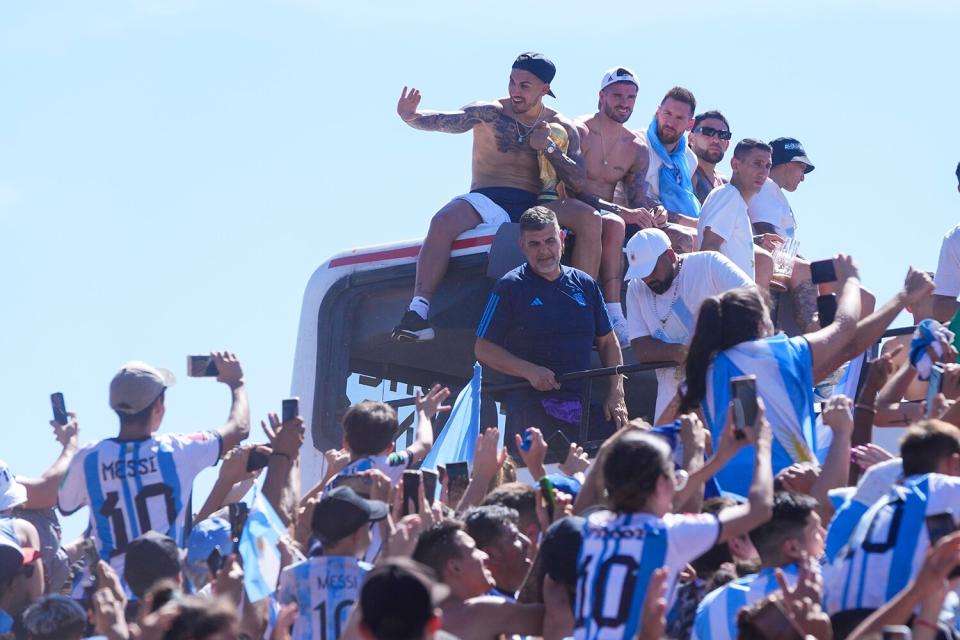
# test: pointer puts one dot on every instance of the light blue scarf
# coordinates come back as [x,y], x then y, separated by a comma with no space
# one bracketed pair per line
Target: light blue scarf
[676,188]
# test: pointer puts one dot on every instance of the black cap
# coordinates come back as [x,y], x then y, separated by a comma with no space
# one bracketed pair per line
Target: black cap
[789,150]
[342,512]
[399,597]
[150,558]
[537,64]
[560,549]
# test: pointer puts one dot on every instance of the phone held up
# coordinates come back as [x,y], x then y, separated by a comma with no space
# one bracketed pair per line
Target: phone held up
[257,460]
[59,408]
[290,409]
[823,271]
[411,491]
[743,391]
[202,366]
[934,385]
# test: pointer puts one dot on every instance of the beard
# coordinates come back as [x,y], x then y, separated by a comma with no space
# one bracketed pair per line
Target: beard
[660,287]
[616,117]
[522,107]
[713,157]
[668,138]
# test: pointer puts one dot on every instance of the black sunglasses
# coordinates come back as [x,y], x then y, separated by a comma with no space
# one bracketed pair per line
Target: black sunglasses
[710,132]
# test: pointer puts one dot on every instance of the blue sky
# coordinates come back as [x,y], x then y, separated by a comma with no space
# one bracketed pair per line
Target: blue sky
[171,173]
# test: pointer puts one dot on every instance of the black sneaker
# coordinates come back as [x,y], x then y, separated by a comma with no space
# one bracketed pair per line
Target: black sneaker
[412,328]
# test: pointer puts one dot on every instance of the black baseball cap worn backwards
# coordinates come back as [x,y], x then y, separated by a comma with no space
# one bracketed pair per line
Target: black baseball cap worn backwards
[537,64]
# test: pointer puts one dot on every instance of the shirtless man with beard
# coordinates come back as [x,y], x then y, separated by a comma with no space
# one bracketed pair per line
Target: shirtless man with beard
[616,156]
[508,135]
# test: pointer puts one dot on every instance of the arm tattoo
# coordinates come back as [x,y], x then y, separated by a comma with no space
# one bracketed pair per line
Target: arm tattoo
[570,166]
[635,182]
[456,121]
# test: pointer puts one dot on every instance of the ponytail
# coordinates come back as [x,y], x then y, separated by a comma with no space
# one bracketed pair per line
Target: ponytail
[724,321]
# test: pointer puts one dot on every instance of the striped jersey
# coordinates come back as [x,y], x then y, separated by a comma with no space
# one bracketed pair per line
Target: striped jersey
[618,554]
[888,544]
[325,589]
[875,484]
[135,486]
[784,370]
[717,614]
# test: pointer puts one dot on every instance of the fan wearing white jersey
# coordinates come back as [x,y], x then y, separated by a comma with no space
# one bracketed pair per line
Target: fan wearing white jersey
[887,547]
[141,481]
[327,585]
[622,547]
[793,534]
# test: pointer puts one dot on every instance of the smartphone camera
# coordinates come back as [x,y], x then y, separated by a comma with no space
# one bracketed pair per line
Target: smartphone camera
[823,271]
[743,391]
[201,367]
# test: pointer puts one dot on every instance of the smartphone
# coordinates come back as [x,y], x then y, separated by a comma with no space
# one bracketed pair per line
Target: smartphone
[546,490]
[215,561]
[743,390]
[827,309]
[934,385]
[558,446]
[458,476]
[361,485]
[527,441]
[238,519]
[59,408]
[823,271]
[772,621]
[411,489]
[441,473]
[430,479]
[201,367]
[257,460]
[290,409]
[938,526]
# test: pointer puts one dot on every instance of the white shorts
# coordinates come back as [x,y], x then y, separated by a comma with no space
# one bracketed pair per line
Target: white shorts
[489,211]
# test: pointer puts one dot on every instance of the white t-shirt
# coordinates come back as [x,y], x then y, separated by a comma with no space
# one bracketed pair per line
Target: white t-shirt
[618,554]
[672,316]
[947,280]
[770,205]
[653,169]
[725,212]
[135,486]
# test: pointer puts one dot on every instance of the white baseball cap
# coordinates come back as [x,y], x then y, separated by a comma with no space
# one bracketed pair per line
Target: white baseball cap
[643,250]
[12,493]
[137,385]
[618,74]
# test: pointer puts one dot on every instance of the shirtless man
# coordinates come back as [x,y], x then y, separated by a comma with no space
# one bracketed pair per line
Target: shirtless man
[614,155]
[508,134]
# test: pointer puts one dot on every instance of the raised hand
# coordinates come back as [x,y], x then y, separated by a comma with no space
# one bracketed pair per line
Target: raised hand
[770,241]
[882,368]
[229,371]
[431,403]
[867,455]
[845,267]
[917,285]
[284,437]
[408,103]
[838,414]
[68,435]
[577,461]
[487,457]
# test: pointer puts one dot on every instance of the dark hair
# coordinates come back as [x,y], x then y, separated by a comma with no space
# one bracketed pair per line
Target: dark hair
[55,617]
[719,554]
[632,468]
[724,321]
[714,114]
[487,524]
[958,174]
[201,617]
[747,145]
[142,417]
[438,545]
[370,426]
[518,496]
[537,218]
[790,514]
[925,444]
[682,95]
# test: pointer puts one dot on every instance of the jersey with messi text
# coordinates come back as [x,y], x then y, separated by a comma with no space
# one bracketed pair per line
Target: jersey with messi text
[325,589]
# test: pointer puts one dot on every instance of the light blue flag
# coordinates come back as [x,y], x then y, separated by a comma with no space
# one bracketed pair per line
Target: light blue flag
[459,436]
[258,547]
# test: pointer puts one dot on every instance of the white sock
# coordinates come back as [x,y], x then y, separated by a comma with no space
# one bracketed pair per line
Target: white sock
[615,311]
[421,306]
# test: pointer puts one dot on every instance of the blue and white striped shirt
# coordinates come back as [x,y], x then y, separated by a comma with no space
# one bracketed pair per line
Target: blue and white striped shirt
[325,589]
[717,614]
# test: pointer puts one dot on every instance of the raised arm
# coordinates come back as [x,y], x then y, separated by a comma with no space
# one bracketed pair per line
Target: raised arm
[446,121]
[740,519]
[237,427]
[827,343]
[427,407]
[42,491]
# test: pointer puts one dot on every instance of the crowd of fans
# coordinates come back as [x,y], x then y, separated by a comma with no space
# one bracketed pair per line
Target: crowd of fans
[709,520]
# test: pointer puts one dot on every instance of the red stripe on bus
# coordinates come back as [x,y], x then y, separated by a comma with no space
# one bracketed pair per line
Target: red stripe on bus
[405,252]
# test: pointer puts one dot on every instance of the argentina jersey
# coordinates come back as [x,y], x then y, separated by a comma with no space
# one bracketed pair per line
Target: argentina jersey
[784,370]
[717,613]
[617,557]
[135,486]
[325,589]
[888,544]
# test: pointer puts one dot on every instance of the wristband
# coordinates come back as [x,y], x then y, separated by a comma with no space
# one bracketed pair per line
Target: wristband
[865,407]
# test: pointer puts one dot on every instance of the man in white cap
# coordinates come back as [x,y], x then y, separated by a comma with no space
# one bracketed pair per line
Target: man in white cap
[664,295]
[141,481]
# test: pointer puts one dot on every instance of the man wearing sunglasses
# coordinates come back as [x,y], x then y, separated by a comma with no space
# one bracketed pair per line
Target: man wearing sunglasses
[709,140]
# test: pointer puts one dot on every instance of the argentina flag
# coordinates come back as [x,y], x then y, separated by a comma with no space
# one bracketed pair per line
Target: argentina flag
[784,370]
[462,428]
[258,546]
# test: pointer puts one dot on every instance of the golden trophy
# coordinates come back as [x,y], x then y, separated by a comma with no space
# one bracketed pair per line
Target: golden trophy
[548,175]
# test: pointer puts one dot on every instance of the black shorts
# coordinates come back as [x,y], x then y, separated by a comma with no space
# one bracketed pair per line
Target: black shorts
[512,200]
